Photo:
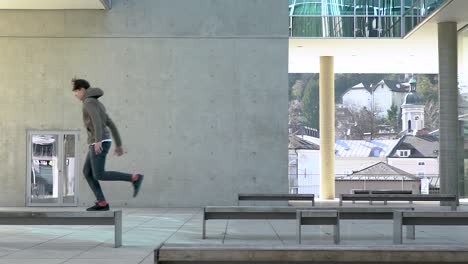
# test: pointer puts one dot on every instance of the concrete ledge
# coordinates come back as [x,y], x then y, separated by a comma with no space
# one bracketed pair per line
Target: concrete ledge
[180,254]
[413,218]
[288,212]
[450,199]
[65,218]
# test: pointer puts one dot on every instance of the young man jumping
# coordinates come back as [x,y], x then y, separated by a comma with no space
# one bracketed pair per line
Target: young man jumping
[97,122]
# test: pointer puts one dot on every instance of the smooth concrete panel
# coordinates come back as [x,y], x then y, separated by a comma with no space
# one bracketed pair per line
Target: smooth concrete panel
[156,18]
[19,23]
[204,118]
[32,98]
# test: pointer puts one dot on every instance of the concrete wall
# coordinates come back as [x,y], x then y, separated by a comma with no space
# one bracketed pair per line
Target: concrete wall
[357,99]
[309,171]
[198,89]
[415,165]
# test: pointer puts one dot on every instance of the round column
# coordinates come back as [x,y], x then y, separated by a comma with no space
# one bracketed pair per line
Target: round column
[327,127]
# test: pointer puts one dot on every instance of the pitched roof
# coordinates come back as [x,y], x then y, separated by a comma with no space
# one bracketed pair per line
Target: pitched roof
[364,148]
[394,86]
[425,146]
[380,171]
[359,86]
[296,142]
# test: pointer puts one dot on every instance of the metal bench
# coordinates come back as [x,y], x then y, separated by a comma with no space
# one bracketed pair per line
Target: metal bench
[401,218]
[382,192]
[355,191]
[288,212]
[318,217]
[306,217]
[65,218]
[275,197]
[387,254]
[452,199]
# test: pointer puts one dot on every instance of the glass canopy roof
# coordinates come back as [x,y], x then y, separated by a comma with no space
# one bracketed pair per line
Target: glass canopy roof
[357,18]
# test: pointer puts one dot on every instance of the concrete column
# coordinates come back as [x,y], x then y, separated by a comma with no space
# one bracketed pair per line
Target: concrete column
[448,98]
[327,127]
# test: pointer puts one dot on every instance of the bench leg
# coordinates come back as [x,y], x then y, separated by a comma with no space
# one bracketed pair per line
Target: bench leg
[397,221]
[385,202]
[298,227]
[411,232]
[453,207]
[341,201]
[203,224]
[118,229]
[336,232]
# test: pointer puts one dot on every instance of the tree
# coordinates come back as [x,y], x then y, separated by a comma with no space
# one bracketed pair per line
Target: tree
[311,103]
[297,90]
[428,90]
[431,115]
[363,123]
[392,116]
[294,112]
[366,123]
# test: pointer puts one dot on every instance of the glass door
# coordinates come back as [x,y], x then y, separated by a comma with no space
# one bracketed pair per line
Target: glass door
[52,166]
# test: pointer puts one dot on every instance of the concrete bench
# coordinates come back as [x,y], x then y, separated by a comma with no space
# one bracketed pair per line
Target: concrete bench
[289,213]
[318,217]
[275,197]
[332,254]
[414,218]
[248,213]
[65,218]
[452,199]
[352,213]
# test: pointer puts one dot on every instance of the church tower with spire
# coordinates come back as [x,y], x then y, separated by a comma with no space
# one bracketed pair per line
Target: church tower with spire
[412,110]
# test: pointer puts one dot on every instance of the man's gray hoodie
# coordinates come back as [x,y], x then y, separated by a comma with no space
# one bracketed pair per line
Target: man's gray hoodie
[96,119]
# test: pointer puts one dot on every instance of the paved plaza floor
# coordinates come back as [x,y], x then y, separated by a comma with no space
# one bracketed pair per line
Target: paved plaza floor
[146,228]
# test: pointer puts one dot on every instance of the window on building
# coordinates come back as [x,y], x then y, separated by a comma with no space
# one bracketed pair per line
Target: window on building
[404,153]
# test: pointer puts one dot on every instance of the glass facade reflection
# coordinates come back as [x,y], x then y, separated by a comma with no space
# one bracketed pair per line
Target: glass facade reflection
[357,18]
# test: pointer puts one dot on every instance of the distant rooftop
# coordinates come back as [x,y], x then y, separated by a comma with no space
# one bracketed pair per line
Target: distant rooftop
[380,171]
[364,148]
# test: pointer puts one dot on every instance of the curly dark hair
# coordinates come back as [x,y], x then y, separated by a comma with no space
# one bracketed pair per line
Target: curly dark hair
[80,83]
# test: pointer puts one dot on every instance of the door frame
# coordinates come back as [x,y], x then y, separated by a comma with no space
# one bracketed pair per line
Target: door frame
[60,155]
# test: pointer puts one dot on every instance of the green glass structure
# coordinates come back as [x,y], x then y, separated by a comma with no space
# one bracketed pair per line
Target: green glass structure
[357,18]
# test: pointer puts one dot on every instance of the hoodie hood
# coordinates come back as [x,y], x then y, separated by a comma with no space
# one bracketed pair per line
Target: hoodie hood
[93,93]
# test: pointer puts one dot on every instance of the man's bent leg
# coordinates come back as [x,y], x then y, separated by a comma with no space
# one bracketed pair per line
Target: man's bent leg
[99,163]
